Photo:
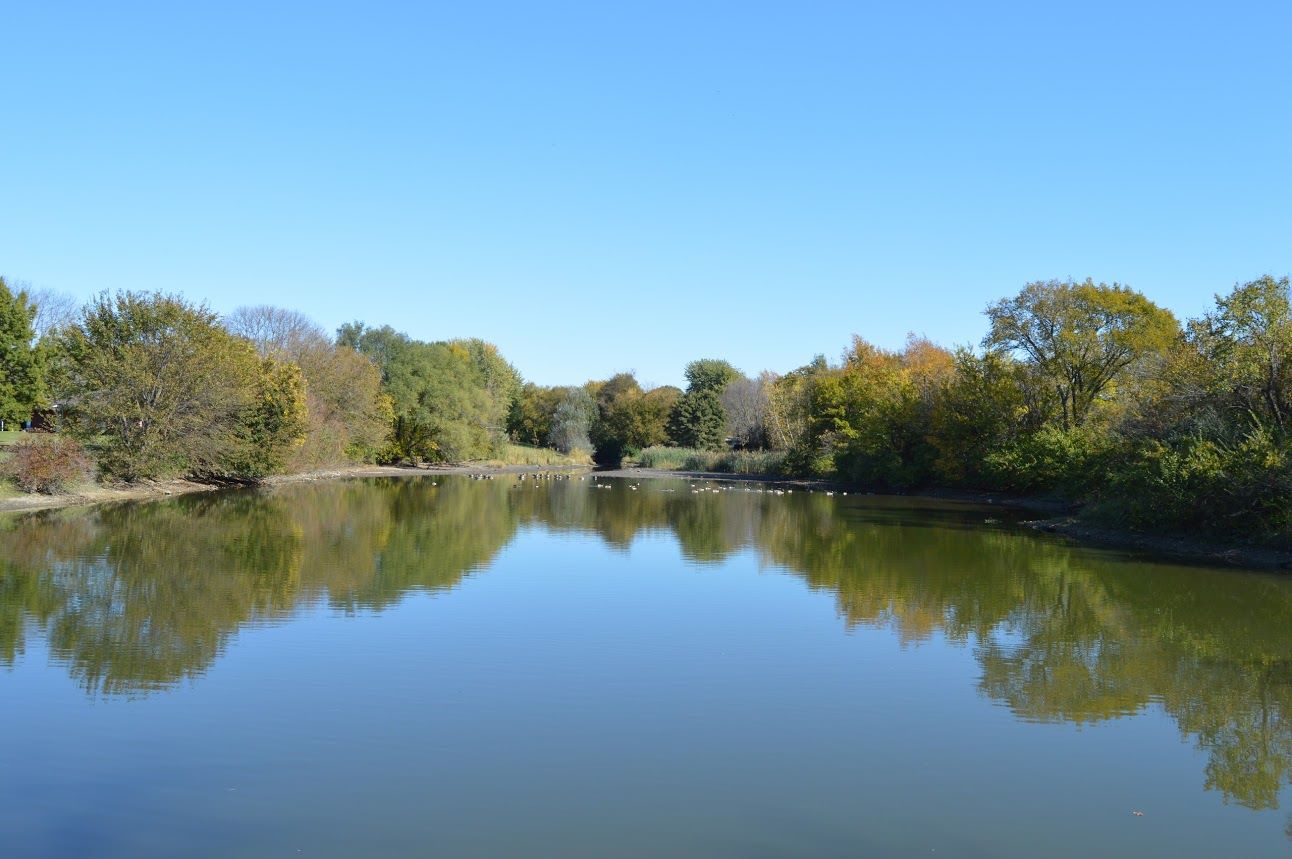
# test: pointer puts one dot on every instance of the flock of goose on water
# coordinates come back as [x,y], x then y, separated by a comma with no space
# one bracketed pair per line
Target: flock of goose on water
[696,489]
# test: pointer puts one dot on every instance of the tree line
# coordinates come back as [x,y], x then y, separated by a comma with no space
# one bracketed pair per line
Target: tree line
[1082,390]
[1079,389]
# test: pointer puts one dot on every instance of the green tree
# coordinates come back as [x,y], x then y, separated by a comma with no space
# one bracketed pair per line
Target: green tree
[1248,340]
[529,420]
[571,424]
[273,426]
[981,407]
[698,419]
[22,366]
[654,410]
[615,428]
[1208,446]
[1083,337]
[789,405]
[157,384]
[348,415]
[710,374]
[450,400]
[627,418]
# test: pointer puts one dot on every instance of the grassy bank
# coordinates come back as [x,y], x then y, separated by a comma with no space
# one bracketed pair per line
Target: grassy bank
[760,462]
[522,454]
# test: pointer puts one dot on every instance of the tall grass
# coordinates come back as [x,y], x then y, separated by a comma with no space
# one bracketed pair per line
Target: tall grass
[523,454]
[722,461]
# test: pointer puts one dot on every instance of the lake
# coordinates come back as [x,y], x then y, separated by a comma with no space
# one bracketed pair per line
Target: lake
[496,668]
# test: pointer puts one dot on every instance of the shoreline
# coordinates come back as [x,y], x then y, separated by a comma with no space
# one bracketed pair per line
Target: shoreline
[1058,520]
[157,490]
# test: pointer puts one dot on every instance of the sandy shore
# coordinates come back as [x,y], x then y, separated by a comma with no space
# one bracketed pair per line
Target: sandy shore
[1058,519]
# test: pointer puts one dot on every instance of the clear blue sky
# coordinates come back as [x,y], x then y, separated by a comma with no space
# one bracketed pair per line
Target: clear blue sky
[604,186]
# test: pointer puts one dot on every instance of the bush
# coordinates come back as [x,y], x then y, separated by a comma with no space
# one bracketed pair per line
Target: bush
[1197,484]
[47,464]
[1050,460]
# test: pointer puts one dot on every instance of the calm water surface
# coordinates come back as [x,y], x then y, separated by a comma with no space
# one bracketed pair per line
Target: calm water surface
[504,668]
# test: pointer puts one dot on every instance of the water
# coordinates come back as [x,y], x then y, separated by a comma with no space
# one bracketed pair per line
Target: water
[506,668]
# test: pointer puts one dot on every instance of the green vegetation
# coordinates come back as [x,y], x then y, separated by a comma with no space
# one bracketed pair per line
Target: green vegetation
[761,462]
[450,399]
[523,454]
[169,390]
[628,418]
[698,419]
[1081,390]
[348,415]
[1084,391]
[22,372]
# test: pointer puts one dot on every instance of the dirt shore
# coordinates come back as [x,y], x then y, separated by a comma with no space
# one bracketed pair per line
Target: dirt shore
[154,490]
[1058,519]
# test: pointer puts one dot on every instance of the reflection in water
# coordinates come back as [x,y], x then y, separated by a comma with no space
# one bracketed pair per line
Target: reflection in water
[135,598]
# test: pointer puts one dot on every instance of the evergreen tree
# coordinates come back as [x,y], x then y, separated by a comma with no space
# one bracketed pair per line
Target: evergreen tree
[22,370]
[699,419]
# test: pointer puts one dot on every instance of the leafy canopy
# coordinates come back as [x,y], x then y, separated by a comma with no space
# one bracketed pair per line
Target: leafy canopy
[162,388]
[1081,336]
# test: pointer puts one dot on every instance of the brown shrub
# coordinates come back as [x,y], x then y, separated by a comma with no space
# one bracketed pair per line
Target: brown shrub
[47,463]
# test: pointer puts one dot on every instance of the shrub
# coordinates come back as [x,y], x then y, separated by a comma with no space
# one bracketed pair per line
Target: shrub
[47,464]
[1198,484]
[1050,460]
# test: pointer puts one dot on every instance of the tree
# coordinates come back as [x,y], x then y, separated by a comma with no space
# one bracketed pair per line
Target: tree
[1248,339]
[710,374]
[450,400]
[161,387]
[654,410]
[54,310]
[22,367]
[1081,336]
[1208,446]
[979,408]
[615,427]
[789,405]
[278,333]
[529,421]
[274,425]
[872,409]
[571,422]
[699,419]
[627,418]
[349,416]
[745,402]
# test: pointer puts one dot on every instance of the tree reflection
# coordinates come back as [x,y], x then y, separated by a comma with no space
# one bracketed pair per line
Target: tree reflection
[138,597]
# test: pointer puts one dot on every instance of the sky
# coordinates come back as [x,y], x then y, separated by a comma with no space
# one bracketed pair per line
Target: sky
[598,187]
